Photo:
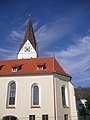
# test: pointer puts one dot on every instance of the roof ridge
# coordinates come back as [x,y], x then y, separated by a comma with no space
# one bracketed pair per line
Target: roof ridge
[27,58]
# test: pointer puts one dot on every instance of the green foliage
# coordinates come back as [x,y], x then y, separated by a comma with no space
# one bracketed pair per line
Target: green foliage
[88,103]
[83,111]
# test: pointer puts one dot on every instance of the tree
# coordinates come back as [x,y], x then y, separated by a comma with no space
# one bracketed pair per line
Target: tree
[88,103]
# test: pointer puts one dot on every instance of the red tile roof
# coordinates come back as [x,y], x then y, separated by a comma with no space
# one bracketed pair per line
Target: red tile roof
[29,66]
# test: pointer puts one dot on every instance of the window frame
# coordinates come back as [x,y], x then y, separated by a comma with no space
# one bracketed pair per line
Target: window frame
[11,93]
[65,97]
[45,117]
[39,99]
[65,116]
[31,117]
[16,68]
[41,66]
[9,117]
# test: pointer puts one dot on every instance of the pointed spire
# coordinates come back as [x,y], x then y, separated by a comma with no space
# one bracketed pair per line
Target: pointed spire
[29,35]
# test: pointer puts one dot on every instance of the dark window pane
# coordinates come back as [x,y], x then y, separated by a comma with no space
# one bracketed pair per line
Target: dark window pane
[63,96]
[31,117]
[6,118]
[44,117]
[12,93]
[9,118]
[11,100]
[35,95]
[13,118]
[66,117]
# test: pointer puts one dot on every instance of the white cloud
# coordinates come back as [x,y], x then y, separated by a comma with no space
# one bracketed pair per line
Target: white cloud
[12,56]
[4,51]
[13,40]
[82,80]
[49,33]
[45,34]
[35,25]
[23,25]
[76,59]
[15,36]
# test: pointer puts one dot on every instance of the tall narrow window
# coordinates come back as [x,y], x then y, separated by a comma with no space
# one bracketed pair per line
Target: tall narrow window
[65,116]
[35,95]
[44,117]
[64,90]
[31,117]
[63,96]
[11,93]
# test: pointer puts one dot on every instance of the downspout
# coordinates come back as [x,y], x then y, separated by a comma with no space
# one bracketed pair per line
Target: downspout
[54,97]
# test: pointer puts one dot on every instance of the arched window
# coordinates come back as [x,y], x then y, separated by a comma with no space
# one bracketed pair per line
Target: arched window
[35,94]
[9,118]
[11,93]
[64,91]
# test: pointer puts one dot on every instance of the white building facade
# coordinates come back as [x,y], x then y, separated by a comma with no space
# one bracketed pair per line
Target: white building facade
[34,88]
[50,98]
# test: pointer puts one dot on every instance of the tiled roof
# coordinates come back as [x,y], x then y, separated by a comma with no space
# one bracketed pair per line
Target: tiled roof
[29,35]
[82,92]
[29,66]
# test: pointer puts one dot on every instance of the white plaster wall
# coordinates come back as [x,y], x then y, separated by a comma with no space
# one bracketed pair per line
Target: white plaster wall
[32,54]
[60,110]
[23,108]
[73,110]
[23,96]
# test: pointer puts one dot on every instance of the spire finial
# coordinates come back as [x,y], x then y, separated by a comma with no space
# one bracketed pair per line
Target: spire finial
[29,15]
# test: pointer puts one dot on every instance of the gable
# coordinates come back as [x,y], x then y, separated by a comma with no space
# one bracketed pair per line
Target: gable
[27,47]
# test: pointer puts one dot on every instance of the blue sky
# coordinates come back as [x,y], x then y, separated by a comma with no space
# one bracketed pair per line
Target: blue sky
[62,29]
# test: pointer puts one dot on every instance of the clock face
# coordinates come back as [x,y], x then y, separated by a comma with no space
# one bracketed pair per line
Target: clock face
[27,49]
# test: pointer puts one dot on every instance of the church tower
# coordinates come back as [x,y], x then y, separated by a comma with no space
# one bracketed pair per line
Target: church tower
[28,47]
